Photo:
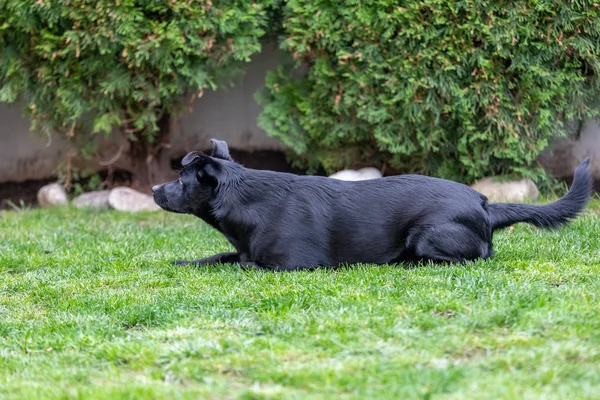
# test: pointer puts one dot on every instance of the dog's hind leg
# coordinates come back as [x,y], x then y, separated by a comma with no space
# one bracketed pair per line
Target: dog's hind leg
[221,258]
[451,242]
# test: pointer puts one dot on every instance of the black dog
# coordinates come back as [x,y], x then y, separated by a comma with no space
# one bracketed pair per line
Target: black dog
[282,221]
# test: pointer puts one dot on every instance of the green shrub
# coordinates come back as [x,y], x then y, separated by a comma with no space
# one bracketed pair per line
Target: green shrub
[121,63]
[455,89]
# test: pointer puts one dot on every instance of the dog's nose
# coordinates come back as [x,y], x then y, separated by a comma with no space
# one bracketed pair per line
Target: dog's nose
[155,188]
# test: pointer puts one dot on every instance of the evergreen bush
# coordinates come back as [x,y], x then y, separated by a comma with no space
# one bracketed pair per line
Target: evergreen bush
[458,89]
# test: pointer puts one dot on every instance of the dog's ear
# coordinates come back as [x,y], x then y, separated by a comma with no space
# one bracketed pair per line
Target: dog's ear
[207,169]
[220,150]
[193,157]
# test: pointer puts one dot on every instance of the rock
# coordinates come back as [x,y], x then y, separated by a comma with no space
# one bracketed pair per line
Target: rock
[357,175]
[511,192]
[127,199]
[97,199]
[52,195]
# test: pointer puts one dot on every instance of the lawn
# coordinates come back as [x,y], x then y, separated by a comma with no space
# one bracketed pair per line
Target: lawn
[91,308]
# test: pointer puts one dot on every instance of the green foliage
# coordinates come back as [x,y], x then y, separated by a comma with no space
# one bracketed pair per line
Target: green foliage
[83,181]
[122,63]
[455,89]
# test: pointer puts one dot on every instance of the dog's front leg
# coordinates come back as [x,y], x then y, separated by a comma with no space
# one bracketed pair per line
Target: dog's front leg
[221,258]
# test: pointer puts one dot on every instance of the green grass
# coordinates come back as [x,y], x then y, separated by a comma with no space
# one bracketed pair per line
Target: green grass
[91,308]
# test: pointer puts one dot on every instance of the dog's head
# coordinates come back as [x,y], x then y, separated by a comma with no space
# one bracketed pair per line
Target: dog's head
[198,179]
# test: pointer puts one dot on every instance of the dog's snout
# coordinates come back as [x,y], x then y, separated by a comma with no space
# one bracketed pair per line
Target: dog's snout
[155,188]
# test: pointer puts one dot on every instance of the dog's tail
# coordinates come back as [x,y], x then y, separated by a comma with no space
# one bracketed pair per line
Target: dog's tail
[550,215]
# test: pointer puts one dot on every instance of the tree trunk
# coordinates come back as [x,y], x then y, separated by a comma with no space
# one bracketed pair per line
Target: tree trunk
[152,161]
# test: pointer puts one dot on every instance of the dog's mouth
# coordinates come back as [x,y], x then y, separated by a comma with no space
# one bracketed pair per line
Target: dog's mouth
[161,199]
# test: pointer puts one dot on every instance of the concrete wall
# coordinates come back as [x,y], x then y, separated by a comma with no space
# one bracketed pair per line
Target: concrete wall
[24,155]
[563,155]
[229,115]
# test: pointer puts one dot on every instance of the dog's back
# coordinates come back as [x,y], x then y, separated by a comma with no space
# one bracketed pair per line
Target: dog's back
[324,221]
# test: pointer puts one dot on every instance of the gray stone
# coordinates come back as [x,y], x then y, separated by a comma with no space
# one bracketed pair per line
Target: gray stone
[357,175]
[126,199]
[52,195]
[512,191]
[96,199]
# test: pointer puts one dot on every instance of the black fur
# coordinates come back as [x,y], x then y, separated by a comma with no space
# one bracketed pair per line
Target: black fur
[282,221]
